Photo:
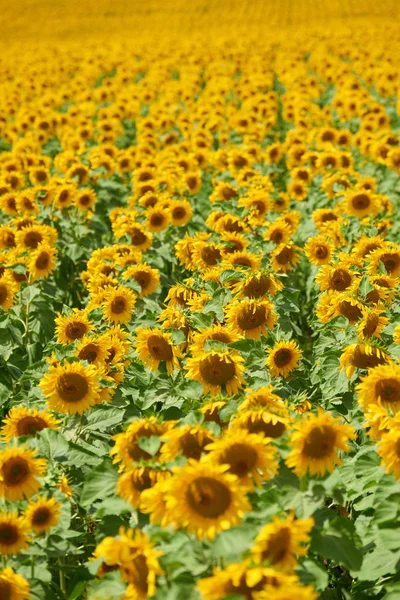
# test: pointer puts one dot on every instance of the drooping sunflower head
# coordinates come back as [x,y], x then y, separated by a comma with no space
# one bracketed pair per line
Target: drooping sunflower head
[42,514]
[13,586]
[155,346]
[72,327]
[389,257]
[380,386]
[372,323]
[285,257]
[315,442]
[283,358]
[349,307]
[257,285]
[71,388]
[217,371]
[214,333]
[204,499]
[126,448]
[13,534]
[93,348]
[22,421]
[361,356]
[251,318]
[20,471]
[282,540]
[189,441]
[132,483]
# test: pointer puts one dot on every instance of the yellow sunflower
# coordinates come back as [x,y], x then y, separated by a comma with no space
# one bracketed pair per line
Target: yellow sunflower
[372,323]
[365,245]
[189,441]
[180,212]
[361,356]
[22,421]
[245,580]
[251,318]
[289,591]
[8,289]
[118,304]
[389,451]
[380,386]
[319,250]
[127,449]
[396,335]
[239,259]
[42,514]
[94,349]
[13,533]
[282,540]
[42,262]
[283,358]
[158,219]
[257,285]
[132,483]
[389,257]
[285,257]
[210,411]
[19,472]
[214,333]
[278,232]
[13,586]
[315,442]
[133,553]
[72,327]
[263,412]
[147,277]
[337,278]
[85,199]
[71,388]
[347,306]
[361,203]
[217,370]
[206,257]
[249,456]
[204,499]
[154,346]
[379,420]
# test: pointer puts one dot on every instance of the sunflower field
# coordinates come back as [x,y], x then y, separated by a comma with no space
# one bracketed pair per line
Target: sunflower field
[199,300]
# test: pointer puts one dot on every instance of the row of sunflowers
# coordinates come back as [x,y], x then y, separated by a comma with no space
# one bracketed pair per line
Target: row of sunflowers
[199,322]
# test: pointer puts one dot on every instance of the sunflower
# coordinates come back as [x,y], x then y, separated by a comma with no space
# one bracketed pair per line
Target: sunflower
[224,191]
[297,190]
[217,370]
[390,257]
[234,242]
[281,541]
[251,318]
[204,499]
[249,456]
[8,289]
[153,503]
[154,346]
[315,442]
[321,216]
[85,199]
[289,591]
[389,451]
[283,358]
[257,285]
[42,514]
[336,278]
[384,288]
[13,533]
[93,348]
[371,324]
[13,586]
[29,238]
[133,553]
[141,239]
[193,181]
[278,232]
[72,327]
[361,356]
[180,212]
[127,449]
[345,305]
[243,580]
[361,203]
[210,411]
[187,440]
[379,420]
[158,219]
[22,421]
[147,277]
[19,470]
[239,259]
[118,304]
[366,245]
[214,333]
[42,261]
[71,388]
[206,257]
[319,250]
[285,257]
[381,386]
[133,482]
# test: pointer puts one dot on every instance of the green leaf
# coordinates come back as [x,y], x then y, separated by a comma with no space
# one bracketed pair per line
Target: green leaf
[312,573]
[53,445]
[342,550]
[102,418]
[378,563]
[100,483]
[151,444]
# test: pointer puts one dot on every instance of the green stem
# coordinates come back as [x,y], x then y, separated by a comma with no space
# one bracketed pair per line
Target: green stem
[32,567]
[63,583]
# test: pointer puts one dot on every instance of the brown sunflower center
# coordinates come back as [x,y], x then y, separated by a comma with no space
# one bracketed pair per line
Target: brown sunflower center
[143,278]
[251,316]
[329,216]
[192,182]
[388,390]
[41,516]
[361,201]
[351,312]
[278,546]
[33,239]
[371,325]
[242,459]
[284,256]
[6,591]
[391,261]
[30,425]
[267,428]
[157,219]
[282,357]
[361,360]
[340,280]
[228,193]
[277,236]
[15,471]
[3,293]
[75,330]
[9,534]
[208,497]
[192,445]
[257,287]
[321,252]
[43,260]
[118,305]
[217,370]
[85,199]
[72,387]
[159,348]
[320,442]
[178,212]
[210,255]
[89,352]
[137,237]
[138,573]
[141,481]
[63,197]
[370,248]
[220,336]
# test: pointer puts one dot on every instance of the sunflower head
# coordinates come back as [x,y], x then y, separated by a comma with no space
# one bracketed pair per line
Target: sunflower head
[283,358]
[217,371]
[42,514]
[381,386]
[13,533]
[22,421]
[251,318]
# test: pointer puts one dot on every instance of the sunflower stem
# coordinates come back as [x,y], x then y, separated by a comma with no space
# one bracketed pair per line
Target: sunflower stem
[26,335]
[32,567]
[63,583]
